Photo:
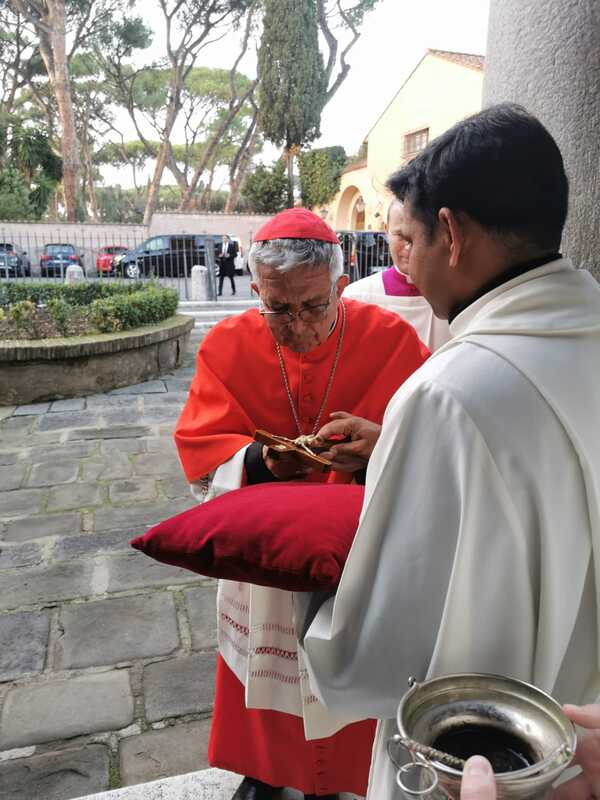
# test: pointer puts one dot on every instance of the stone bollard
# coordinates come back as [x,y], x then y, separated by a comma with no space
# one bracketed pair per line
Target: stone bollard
[199,283]
[74,274]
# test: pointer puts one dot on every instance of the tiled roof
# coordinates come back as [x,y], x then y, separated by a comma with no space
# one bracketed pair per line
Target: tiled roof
[357,165]
[464,59]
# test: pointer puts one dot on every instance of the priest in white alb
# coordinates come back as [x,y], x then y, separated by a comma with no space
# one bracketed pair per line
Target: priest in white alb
[478,548]
[393,289]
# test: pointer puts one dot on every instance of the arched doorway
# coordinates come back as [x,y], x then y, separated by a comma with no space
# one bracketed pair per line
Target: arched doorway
[350,210]
[358,214]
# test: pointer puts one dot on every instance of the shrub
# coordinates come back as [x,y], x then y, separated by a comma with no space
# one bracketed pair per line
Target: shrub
[72,310]
[121,312]
[79,294]
[23,315]
[61,313]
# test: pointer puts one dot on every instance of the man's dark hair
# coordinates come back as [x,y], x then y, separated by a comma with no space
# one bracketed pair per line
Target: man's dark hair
[502,168]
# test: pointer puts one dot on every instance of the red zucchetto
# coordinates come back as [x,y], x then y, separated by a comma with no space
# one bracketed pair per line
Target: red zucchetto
[296,223]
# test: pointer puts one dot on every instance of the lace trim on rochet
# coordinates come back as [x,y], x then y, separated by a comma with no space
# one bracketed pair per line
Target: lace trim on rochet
[274,675]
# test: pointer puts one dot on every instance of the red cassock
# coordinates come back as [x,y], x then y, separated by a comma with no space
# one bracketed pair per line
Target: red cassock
[238,387]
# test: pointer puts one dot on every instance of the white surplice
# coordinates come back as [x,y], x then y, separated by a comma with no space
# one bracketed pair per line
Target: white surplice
[415,310]
[256,635]
[479,542]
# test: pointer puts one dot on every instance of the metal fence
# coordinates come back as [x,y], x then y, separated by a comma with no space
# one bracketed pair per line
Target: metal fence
[123,255]
[364,252]
[168,259]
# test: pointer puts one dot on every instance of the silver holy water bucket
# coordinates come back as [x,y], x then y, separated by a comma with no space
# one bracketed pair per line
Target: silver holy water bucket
[443,721]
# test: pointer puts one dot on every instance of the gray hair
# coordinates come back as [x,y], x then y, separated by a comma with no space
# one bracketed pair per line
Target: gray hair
[288,254]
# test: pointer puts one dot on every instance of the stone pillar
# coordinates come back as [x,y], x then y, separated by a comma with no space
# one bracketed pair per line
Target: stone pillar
[74,274]
[199,283]
[545,55]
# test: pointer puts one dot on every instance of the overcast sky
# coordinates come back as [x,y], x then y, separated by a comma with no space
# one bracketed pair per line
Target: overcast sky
[394,38]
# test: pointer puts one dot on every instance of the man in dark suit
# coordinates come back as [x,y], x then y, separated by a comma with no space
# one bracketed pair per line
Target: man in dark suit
[229,251]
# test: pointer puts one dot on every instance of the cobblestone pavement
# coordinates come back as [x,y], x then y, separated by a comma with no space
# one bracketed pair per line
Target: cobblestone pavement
[106,657]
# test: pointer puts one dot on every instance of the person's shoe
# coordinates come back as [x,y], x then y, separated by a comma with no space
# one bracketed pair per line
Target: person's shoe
[232,294]
[251,789]
[219,294]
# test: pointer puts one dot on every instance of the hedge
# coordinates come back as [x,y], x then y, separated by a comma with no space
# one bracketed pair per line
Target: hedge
[124,311]
[78,294]
[109,308]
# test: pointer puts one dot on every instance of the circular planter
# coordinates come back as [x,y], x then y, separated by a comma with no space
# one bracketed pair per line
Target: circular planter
[53,369]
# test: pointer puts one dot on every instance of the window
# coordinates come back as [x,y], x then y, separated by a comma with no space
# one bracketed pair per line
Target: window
[158,243]
[416,141]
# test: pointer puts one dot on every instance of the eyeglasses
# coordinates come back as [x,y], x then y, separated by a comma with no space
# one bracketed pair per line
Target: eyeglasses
[306,314]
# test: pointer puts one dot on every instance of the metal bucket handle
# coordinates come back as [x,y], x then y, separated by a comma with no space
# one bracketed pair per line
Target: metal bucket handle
[423,767]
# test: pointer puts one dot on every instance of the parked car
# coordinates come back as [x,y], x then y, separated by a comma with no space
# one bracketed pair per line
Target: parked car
[105,257]
[168,256]
[17,257]
[364,252]
[8,266]
[56,258]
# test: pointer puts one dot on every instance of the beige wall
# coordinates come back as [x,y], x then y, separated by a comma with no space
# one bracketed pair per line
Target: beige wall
[437,94]
[355,187]
[241,225]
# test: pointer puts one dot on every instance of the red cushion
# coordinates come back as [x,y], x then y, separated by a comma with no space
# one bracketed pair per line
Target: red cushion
[293,536]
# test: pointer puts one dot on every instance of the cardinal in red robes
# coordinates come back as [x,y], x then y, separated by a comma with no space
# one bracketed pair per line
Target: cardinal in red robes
[285,368]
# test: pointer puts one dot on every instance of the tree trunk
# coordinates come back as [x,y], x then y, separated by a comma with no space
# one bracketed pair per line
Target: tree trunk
[163,153]
[89,169]
[211,150]
[58,73]
[204,202]
[289,157]
[154,186]
[240,165]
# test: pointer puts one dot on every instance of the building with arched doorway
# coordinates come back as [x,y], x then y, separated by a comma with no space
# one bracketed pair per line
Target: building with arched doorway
[443,88]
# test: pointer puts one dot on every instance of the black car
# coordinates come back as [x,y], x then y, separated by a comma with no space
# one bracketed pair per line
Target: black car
[56,258]
[168,256]
[364,252]
[18,262]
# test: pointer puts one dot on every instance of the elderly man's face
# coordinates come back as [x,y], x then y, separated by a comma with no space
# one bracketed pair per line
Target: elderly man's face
[399,247]
[305,291]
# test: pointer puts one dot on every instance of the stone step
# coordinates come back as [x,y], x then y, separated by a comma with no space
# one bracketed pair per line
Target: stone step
[205,305]
[208,784]
[215,315]
[201,329]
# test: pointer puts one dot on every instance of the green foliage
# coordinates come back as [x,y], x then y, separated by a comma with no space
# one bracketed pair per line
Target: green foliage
[109,308]
[292,83]
[30,172]
[118,155]
[61,313]
[14,197]
[265,189]
[123,36]
[120,205]
[124,311]
[78,294]
[361,155]
[320,172]
[23,315]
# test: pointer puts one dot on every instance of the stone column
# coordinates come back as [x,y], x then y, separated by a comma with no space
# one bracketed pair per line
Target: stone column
[545,55]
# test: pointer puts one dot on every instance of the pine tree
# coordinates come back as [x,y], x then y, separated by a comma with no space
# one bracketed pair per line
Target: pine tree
[292,82]
[265,189]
